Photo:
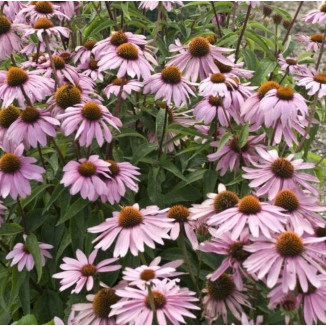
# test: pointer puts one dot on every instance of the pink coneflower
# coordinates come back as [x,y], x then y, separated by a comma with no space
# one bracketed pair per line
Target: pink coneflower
[123,176]
[291,64]
[83,53]
[314,41]
[169,85]
[197,58]
[180,214]
[297,259]
[40,9]
[2,212]
[171,303]
[81,271]
[151,5]
[67,7]
[133,227]
[97,311]
[233,250]
[249,213]
[90,68]
[84,177]
[11,8]
[128,59]
[316,16]
[152,273]
[15,172]
[128,86]
[15,79]
[222,295]
[89,120]
[44,26]
[314,82]
[21,256]
[32,127]
[277,173]
[232,155]
[7,117]
[301,211]
[235,69]
[246,321]
[215,203]
[9,41]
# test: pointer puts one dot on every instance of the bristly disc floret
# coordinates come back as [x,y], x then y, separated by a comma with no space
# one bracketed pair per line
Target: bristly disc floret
[289,244]
[30,115]
[127,51]
[44,7]
[16,77]
[118,38]
[318,38]
[199,47]
[266,87]
[43,23]
[9,163]
[283,168]
[287,200]
[91,111]
[87,169]
[158,298]
[285,93]
[320,78]
[67,95]
[5,25]
[225,200]
[103,301]
[249,205]
[8,116]
[171,75]
[114,167]
[217,78]
[179,212]
[129,217]
[220,289]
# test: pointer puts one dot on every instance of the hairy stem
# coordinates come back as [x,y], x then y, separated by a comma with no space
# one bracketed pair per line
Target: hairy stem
[321,50]
[216,18]
[160,150]
[242,33]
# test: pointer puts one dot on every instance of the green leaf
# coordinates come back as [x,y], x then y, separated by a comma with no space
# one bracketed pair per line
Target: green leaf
[179,129]
[33,247]
[209,181]
[244,134]
[35,192]
[161,122]
[141,151]
[265,67]
[73,210]
[126,132]
[169,166]
[64,243]
[58,190]
[26,320]
[250,59]
[224,139]
[11,229]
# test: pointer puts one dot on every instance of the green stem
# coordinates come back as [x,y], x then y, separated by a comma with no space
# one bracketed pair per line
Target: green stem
[292,22]
[160,150]
[276,31]
[216,18]
[47,44]
[152,304]
[22,214]
[321,50]
[285,74]
[242,33]
[142,258]
[157,25]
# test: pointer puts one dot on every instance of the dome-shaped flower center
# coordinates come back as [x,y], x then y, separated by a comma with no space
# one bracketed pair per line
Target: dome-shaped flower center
[158,298]
[8,116]
[285,93]
[220,289]
[118,38]
[235,145]
[289,244]
[287,200]
[171,75]
[277,19]
[36,56]
[93,64]
[318,38]
[320,232]
[224,200]
[88,270]
[282,168]
[9,163]
[67,95]
[249,205]
[129,217]
[16,76]
[267,10]
[217,78]
[311,289]
[59,62]
[147,274]
[120,81]
[320,78]
[199,47]
[323,7]
[87,169]
[103,301]
[236,251]
[30,115]
[44,7]
[214,101]
[5,25]
[179,212]
[91,111]
[43,23]
[65,56]
[89,44]
[211,39]
[222,67]
[114,167]
[291,62]
[266,87]
[127,51]
[288,303]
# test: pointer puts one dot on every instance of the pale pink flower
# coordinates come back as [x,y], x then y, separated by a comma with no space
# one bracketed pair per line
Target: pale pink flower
[314,82]
[133,228]
[275,173]
[128,86]
[11,8]
[171,302]
[84,176]
[151,5]
[67,7]
[8,116]
[152,273]
[246,321]
[89,120]
[235,70]
[90,68]
[81,271]
[23,258]
[83,53]
[291,64]
[296,259]
[316,16]
[313,42]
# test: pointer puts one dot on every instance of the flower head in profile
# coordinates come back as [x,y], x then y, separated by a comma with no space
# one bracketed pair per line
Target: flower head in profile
[316,16]
[89,120]
[313,41]
[21,256]
[152,273]
[132,228]
[32,127]
[83,53]
[222,295]
[291,64]
[197,58]
[81,271]
[90,68]
[8,116]
[235,70]
[16,81]
[172,304]
[249,214]
[16,170]
[85,176]
[169,85]
[273,174]
[288,258]
[314,82]
[128,86]
[151,5]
